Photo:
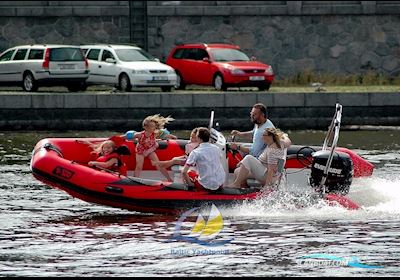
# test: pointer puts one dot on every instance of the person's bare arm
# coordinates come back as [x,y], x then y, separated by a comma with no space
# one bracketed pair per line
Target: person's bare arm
[171,136]
[241,148]
[106,164]
[185,175]
[270,174]
[246,134]
[235,146]
[285,140]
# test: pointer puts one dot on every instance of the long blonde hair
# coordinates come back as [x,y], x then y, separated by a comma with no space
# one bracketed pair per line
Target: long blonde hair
[98,148]
[159,120]
[276,135]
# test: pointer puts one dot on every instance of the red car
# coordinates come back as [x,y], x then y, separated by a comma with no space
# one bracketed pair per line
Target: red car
[218,65]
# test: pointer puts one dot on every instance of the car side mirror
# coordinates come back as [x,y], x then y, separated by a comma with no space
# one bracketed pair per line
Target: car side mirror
[206,59]
[253,58]
[111,60]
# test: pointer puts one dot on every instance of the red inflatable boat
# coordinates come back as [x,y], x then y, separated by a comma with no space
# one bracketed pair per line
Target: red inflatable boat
[62,163]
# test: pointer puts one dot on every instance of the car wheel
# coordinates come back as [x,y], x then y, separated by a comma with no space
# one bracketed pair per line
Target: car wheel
[29,84]
[166,89]
[219,83]
[180,83]
[264,87]
[124,83]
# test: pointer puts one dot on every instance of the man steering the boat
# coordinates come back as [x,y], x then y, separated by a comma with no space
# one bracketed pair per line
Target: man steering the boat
[206,157]
[258,116]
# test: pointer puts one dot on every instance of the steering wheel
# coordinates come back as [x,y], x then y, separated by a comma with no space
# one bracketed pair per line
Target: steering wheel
[304,160]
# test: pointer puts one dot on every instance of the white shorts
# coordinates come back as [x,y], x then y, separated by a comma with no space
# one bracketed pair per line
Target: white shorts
[256,168]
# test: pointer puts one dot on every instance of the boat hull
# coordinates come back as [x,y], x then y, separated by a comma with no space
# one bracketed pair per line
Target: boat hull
[61,163]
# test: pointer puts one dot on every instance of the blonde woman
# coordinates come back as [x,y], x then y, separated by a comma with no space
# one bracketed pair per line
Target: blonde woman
[264,169]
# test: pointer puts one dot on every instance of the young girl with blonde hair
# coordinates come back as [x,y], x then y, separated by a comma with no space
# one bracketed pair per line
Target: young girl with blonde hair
[147,145]
[108,157]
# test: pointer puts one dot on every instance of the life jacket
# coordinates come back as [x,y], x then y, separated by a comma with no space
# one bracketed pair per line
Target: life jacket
[120,167]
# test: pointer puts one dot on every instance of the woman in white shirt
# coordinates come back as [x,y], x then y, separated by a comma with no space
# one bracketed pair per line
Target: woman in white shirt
[264,169]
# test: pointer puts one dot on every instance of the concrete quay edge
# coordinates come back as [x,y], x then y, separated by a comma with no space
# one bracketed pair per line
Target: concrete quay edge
[93,110]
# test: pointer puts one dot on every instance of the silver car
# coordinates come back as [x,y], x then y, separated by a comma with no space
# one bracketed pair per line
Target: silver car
[127,66]
[32,66]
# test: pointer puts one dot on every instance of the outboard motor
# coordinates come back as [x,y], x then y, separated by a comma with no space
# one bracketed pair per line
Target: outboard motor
[340,174]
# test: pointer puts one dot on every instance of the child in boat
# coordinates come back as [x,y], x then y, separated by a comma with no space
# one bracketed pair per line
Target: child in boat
[160,133]
[108,158]
[147,145]
[181,160]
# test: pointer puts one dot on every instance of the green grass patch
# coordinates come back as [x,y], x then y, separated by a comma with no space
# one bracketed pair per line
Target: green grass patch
[308,77]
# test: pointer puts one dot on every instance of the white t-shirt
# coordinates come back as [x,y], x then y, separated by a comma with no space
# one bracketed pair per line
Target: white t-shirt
[206,158]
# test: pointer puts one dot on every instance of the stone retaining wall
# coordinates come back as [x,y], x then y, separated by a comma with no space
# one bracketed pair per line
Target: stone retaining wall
[332,37]
[326,37]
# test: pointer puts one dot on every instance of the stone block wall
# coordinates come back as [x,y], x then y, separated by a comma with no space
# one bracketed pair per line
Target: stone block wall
[63,22]
[334,37]
[337,37]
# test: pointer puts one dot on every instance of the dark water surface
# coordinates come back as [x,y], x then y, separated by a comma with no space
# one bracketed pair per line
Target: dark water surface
[45,232]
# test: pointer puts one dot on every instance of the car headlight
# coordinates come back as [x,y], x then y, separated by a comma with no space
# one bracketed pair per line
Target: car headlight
[269,71]
[236,71]
[171,71]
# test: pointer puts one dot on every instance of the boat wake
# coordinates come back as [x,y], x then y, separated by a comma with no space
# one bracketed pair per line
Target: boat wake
[379,198]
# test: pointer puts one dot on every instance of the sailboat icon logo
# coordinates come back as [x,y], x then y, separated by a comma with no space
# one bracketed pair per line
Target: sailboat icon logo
[203,231]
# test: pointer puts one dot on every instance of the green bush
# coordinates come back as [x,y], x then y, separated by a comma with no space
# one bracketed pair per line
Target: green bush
[308,77]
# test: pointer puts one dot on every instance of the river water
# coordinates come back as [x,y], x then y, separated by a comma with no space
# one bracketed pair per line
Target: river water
[45,232]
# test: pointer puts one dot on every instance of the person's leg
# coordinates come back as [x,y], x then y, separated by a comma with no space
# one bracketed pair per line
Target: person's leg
[257,170]
[241,174]
[163,170]
[249,166]
[168,163]
[161,163]
[139,165]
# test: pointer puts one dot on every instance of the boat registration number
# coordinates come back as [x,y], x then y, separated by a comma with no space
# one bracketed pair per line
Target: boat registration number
[63,172]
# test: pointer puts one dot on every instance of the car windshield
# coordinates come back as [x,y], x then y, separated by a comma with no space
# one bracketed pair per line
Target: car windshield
[229,55]
[134,55]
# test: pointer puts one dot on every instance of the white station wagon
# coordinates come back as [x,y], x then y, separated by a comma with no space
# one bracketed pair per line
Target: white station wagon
[31,66]
[127,66]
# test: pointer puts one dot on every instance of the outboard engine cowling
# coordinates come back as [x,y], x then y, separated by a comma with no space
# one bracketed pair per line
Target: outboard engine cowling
[340,174]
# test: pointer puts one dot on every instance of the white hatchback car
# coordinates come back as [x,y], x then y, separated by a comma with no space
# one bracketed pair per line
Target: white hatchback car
[32,66]
[127,66]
